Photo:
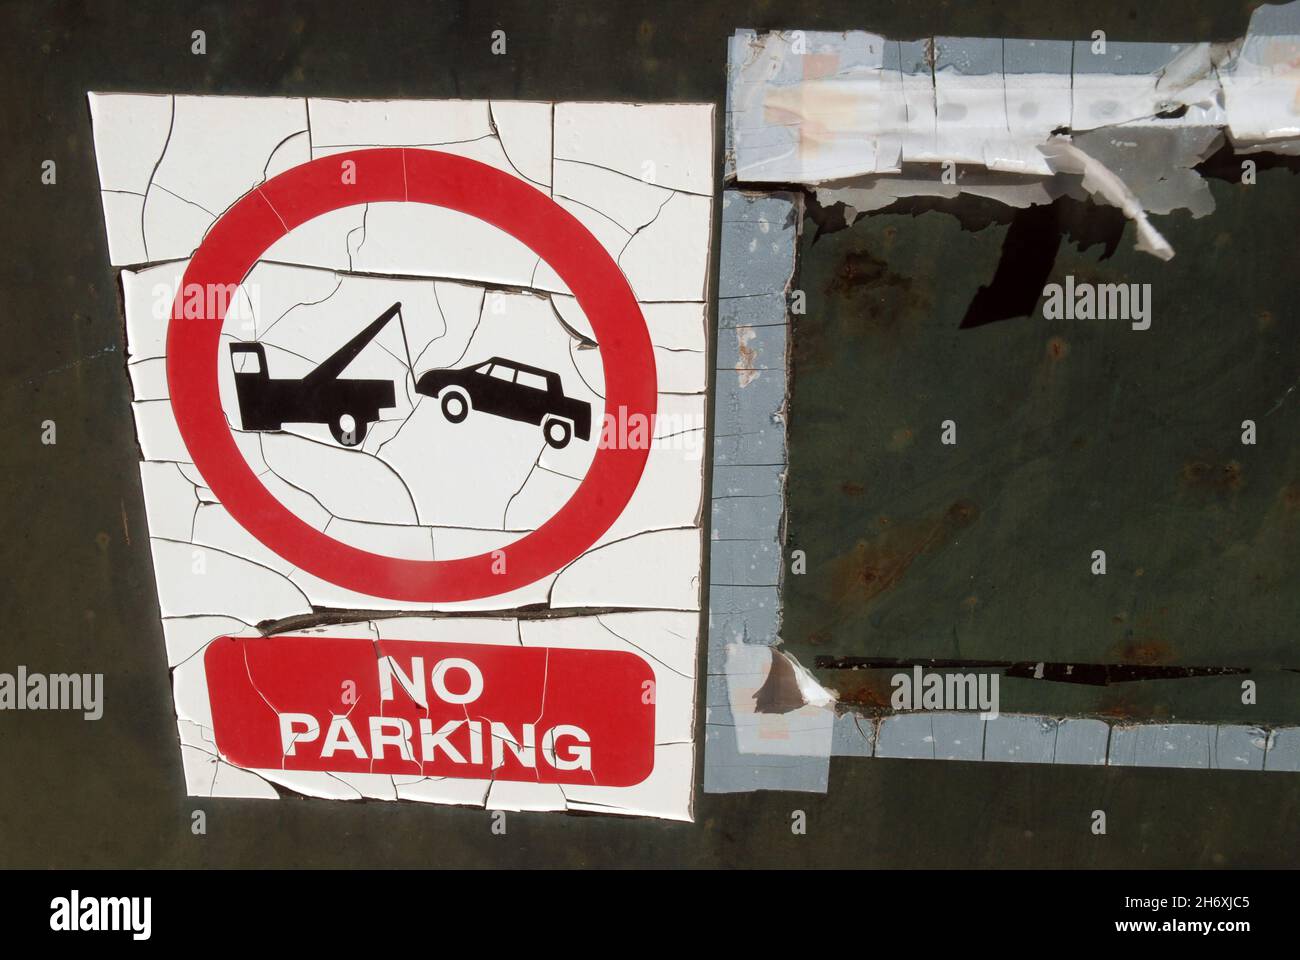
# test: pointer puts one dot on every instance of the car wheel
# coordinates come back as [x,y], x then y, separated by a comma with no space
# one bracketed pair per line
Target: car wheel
[557,432]
[348,430]
[455,406]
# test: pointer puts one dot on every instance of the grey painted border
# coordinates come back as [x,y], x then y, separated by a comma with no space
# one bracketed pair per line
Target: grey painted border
[1021,738]
[760,234]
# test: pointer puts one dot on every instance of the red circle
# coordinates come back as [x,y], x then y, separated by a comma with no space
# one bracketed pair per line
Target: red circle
[238,240]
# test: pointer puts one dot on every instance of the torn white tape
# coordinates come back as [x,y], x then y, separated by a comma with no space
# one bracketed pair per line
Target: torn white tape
[863,118]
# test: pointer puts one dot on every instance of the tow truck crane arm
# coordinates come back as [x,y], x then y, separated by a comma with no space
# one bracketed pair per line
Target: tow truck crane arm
[337,362]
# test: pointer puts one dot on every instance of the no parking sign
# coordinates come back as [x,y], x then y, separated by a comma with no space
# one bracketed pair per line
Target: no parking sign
[237,241]
[422,426]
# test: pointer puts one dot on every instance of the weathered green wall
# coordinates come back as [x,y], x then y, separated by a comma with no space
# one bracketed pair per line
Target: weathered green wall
[1072,435]
[79,589]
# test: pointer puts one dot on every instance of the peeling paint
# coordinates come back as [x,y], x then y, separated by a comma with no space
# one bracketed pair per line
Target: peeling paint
[864,120]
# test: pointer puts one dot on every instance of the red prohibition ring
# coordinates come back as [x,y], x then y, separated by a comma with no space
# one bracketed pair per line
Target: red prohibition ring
[242,235]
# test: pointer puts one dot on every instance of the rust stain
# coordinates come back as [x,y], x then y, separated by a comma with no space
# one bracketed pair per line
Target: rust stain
[931,52]
[1146,651]
[870,691]
[885,305]
[851,489]
[877,565]
[1290,496]
[859,271]
[1120,704]
[901,439]
[1042,391]
[1209,475]
[746,365]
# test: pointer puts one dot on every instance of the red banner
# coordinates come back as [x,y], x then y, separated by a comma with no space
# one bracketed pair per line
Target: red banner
[477,711]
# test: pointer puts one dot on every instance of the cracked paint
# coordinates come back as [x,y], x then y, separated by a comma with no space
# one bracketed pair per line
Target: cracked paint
[418,486]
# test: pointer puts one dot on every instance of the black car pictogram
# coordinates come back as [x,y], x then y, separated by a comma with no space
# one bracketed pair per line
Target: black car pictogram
[514,391]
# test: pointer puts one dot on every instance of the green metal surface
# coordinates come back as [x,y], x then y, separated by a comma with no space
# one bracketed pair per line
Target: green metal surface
[1072,435]
[79,592]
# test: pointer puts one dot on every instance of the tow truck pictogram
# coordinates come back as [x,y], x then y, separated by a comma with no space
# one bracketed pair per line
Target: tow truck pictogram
[347,407]
[499,387]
